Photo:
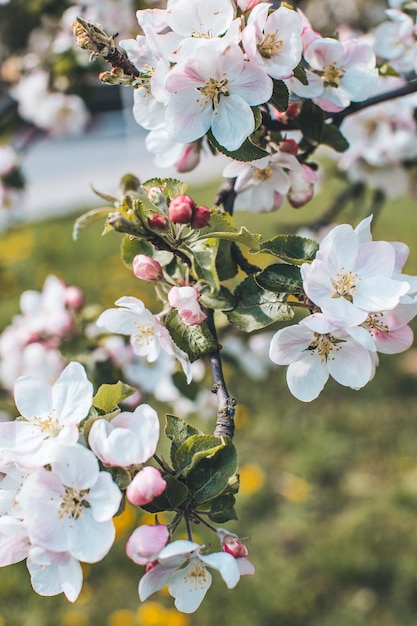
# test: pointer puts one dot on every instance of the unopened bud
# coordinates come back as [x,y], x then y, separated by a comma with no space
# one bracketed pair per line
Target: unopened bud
[145,486]
[74,298]
[158,198]
[289,146]
[158,222]
[190,157]
[201,217]
[146,268]
[232,544]
[181,209]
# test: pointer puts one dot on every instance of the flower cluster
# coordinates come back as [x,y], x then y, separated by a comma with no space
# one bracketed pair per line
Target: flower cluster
[361,304]
[203,68]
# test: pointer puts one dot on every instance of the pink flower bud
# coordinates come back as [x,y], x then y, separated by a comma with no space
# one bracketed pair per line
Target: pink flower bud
[145,543]
[158,198]
[246,5]
[201,217]
[158,222]
[232,544]
[145,486]
[185,300]
[302,187]
[74,298]
[181,209]
[146,268]
[190,157]
[289,145]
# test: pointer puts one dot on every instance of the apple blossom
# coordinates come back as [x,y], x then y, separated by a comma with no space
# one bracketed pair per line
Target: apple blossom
[189,584]
[147,334]
[145,486]
[348,280]
[51,415]
[70,508]
[262,185]
[52,573]
[215,89]
[185,300]
[273,40]
[339,73]
[198,17]
[396,41]
[315,349]
[128,439]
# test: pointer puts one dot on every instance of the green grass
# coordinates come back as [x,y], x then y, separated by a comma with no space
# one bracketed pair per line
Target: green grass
[344,552]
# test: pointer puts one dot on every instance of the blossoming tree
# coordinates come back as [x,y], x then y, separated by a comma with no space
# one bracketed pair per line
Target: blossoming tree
[256,83]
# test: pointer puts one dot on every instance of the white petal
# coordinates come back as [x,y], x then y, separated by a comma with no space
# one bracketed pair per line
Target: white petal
[189,585]
[306,378]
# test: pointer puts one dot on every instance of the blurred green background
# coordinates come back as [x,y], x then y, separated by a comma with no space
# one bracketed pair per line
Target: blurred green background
[329,489]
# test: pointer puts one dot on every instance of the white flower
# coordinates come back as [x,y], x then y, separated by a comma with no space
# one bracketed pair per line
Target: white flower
[340,72]
[189,584]
[262,185]
[54,572]
[273,40]
[70,508]
[315,349]
[215,89]
[128,439]
[147,335]
[199,18]
[51,415]
[349,279]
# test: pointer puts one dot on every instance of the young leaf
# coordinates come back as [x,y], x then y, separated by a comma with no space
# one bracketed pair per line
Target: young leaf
[178,431]
[131,247]
[197,341]
[300,74]
[109,396]
[280,278]
[311,121]
[222,227]
[291,248]
[171,186]
[258,308]
[196,448]
[210,476]
[91,217]
[223,300]
[203,254]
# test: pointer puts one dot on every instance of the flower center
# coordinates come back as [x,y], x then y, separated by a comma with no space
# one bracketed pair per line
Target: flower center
[332,75]
[213,89]
[49,425]
[324,344]
[262,174]
[197,575]
[375,324]
[145,334]
[345,286]
[270,45]
[73,503]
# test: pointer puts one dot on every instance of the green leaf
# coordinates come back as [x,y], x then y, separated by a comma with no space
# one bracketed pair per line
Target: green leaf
[178,431]
[129,182]
[280,278]
[203,254]
[209,476]
[196,448]
[197,341]
[280,96]
[331,136]
[291,248]
[223,300]
[121,477]
[226,266]
[248,151]
[90,218]
[258,308]
[222,227]
[131,247]
[300,74]
[311,121]
[174,495]
[110,396]
[222,509]
[171,186]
